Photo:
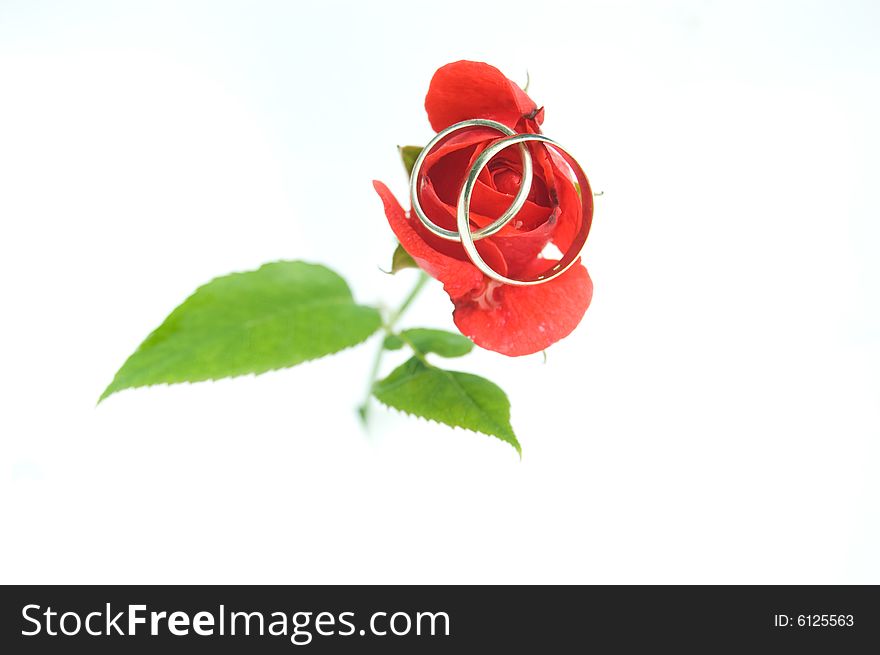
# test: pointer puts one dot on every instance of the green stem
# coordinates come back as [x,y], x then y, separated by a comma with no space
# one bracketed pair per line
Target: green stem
[400,311]
[418,355]
[393,318]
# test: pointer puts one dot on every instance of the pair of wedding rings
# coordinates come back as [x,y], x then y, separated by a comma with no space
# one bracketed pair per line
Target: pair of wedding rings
[468,236]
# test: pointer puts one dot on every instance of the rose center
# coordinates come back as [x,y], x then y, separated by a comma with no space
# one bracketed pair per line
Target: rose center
[507,181]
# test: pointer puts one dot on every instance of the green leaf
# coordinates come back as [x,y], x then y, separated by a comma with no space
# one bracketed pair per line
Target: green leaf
[425,340]
[409,154]
[450,397]
[280,315]
[401,259]
[393,342]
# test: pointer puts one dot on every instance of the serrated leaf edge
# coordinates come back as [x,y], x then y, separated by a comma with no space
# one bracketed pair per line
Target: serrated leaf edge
[515,442]
[109,391]
[106,395]
[516,446]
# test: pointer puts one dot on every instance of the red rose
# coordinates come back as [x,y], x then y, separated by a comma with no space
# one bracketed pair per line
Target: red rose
[512,320]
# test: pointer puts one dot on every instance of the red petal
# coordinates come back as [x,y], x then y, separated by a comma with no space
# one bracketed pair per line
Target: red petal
[521,249]
[459,277]
[445,216]
[486,202]
[470,89]
[524,320]
[570,213]
[458,141]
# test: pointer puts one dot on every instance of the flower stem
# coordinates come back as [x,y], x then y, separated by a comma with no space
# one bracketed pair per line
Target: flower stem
[400,311]
[393,318]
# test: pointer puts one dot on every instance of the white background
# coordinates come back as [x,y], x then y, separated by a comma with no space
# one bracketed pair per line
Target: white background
[715,418]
